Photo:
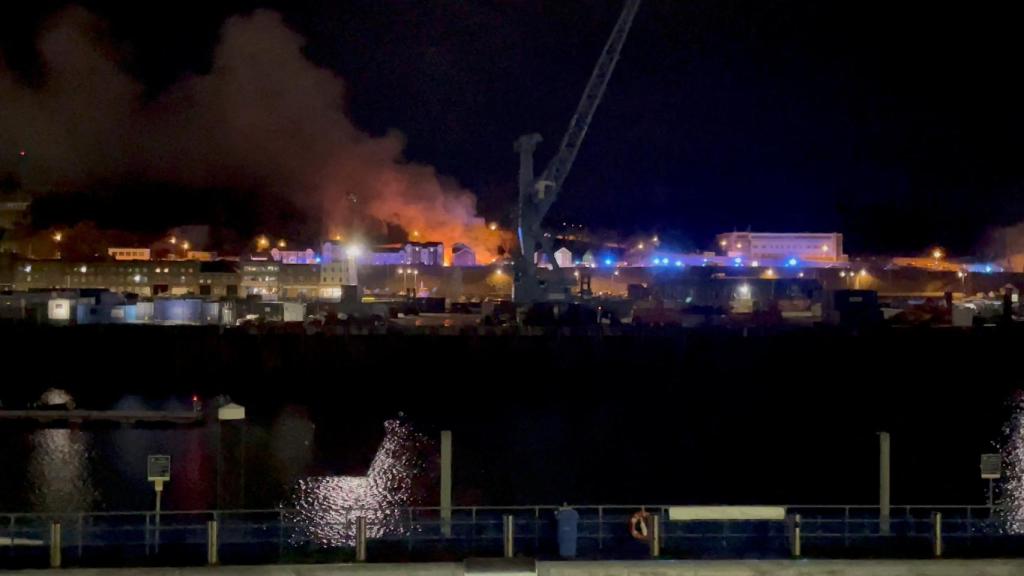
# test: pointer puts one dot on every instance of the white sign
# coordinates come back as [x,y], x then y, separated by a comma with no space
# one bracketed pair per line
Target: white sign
[991,466]
[158,468]
[723,513]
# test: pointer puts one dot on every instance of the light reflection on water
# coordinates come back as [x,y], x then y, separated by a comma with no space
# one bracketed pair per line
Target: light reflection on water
[1012,500]
[58,471]
[326,507]
[67,470]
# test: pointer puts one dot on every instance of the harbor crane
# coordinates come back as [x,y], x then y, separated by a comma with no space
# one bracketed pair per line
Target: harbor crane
[538,193]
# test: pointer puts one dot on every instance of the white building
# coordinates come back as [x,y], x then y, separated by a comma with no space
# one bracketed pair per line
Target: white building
[563,257]
[332,251]
[293,256]
[463,255]
[769,246]
[425,253]
[129,253]
[389,255]
[337,275]
[408,254]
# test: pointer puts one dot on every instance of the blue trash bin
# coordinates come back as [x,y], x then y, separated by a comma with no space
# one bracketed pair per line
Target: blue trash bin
[568,531]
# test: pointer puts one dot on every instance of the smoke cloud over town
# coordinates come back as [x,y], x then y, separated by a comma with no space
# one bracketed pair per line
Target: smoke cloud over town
[263,119]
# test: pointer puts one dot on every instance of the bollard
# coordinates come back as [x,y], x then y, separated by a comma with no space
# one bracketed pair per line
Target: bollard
[361,539]
[508,533]
[55,545]
[794,544]
[937,534]
[884,483]
[655,535]
[212,557]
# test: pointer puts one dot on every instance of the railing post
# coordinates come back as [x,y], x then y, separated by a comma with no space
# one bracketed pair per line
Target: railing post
[280,534]
[536,529]
[55,544]
[147,534]
[10,532]
[410,529]
[846,527]
[361,539]
[795,542]
[884,483]
[81,528]
[937,534]
[472,524]
[508,534]
[212,545]
[656,534]
[600,527]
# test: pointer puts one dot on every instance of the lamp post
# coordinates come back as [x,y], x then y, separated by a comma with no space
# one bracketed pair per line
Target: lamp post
[57,237]
[231,418]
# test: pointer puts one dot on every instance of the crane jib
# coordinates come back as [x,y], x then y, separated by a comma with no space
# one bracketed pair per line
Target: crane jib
[536,195]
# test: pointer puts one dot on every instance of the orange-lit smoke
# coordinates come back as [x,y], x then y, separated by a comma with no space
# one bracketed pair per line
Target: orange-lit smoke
[264,118]
[428,207]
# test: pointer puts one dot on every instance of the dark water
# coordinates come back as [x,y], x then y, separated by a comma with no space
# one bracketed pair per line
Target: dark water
[668,418]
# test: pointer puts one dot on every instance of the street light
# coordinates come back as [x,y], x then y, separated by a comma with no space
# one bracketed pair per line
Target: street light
[937,253]
[405,278]
[492,226]
[282,244]
[186,246]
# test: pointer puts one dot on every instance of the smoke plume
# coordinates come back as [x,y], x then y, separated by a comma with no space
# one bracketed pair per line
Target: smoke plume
[263,119]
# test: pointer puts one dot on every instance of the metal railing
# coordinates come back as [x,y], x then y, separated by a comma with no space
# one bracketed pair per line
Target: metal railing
[412,534]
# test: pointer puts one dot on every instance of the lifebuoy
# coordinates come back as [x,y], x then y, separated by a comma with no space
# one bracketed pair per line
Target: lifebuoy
[638,526]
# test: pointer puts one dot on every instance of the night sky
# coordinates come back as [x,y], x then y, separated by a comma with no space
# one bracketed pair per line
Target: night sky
[899,124]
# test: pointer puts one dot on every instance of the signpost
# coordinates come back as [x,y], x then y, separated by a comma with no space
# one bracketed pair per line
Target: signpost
[158,471]
[991,469]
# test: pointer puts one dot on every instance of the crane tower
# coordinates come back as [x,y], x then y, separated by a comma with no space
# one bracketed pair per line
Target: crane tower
[538,193]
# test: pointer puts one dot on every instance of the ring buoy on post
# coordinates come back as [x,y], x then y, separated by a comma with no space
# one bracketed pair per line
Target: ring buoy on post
[638,525]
